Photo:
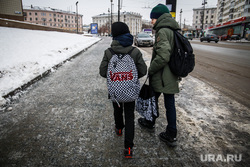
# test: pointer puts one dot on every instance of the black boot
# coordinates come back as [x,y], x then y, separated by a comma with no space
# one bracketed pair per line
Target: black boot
[146,124]
[169,138]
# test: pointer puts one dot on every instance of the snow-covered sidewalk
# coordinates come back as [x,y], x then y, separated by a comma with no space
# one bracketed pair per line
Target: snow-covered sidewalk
[26,54]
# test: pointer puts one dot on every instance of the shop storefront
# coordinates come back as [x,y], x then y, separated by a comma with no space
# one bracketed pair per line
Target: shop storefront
[233,27]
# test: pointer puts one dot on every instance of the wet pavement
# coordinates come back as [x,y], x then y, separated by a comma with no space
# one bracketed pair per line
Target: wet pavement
[65,119]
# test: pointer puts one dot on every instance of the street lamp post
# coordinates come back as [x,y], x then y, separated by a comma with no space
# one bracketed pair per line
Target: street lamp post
[180,18]
[118,10]
[111,12]
[77,17]
[203,17]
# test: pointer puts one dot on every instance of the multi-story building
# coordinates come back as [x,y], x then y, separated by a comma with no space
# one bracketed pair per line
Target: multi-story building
[133,20]
[203,18]
[230,10]
[247,8]
[229,17]
[51,17]
[232,17]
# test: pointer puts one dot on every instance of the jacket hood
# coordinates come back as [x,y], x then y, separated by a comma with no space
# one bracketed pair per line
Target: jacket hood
[118,48]
[166,20]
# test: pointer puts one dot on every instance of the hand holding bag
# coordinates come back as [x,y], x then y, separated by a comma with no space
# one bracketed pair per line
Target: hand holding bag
[146,104]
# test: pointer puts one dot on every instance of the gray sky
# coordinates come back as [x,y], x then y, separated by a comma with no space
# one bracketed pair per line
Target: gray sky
[89,8]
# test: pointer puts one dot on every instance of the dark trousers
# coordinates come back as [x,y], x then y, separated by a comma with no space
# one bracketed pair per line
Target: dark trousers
[129,125]
[169,102]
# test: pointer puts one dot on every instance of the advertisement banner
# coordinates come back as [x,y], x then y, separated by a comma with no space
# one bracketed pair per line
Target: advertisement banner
[94,28]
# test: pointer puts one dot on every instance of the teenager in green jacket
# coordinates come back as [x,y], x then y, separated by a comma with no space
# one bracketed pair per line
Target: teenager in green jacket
[122,43]
[160,77]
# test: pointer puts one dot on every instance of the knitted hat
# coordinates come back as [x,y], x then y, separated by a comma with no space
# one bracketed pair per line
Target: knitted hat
[158,10]
[119,28]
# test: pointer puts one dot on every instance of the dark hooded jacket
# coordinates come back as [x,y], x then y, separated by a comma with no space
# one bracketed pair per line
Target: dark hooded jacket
[118,48]
[161,78]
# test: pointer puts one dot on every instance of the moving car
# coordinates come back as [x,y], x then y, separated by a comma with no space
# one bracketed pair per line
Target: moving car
[143,39]
[188,36]
[234,37]
[210,37]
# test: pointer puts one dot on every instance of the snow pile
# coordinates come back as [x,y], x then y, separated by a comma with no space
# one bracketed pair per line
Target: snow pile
[26,54]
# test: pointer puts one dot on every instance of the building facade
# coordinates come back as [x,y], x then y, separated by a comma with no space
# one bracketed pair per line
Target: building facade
[229,10]
[233,17]
[133,20]
[206,16]
[51,17]
[11,9]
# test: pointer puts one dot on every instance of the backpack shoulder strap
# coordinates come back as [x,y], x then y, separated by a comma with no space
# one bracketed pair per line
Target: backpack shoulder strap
[131,50]
[112,51]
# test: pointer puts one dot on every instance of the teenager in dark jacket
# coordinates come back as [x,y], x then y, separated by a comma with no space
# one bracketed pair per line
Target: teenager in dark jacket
[160,77]
[122,43]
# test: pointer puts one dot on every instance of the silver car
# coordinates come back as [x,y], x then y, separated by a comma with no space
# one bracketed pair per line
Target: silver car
[143,39]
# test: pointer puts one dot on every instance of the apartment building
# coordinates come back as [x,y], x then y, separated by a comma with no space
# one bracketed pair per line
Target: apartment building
[207,16]
[230,10]
[133,20]
[233,17]
[51,17]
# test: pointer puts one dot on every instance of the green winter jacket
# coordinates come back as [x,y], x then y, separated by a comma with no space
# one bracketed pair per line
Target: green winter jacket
[161,78]
[136,56]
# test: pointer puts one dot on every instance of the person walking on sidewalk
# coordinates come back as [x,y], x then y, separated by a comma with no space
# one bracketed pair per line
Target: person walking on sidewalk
[122,43]
[160,77]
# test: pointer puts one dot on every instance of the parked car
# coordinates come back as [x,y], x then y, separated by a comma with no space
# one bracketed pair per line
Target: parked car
[235,37]
[224,37]
[188,36]
[143,39]
[210,37]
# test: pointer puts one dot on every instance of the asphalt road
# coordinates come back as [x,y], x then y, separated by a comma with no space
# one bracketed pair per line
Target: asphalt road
[223,65]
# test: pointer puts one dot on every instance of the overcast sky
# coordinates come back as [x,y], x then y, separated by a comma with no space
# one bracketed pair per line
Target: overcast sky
[89,8]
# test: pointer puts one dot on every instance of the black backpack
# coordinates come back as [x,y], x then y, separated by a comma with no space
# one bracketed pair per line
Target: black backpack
[182,60]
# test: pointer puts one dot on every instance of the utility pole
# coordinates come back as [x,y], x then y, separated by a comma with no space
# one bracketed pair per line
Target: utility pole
[180,18]
[118,10]
[203,16]
[77,17]
[109,22]
[111,12]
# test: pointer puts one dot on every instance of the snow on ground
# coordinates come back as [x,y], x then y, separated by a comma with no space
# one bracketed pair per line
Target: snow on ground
[26,54]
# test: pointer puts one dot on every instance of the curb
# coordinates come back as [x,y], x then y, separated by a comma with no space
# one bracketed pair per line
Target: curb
[43,75]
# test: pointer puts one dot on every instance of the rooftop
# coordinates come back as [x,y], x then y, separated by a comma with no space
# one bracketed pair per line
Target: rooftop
[49,9]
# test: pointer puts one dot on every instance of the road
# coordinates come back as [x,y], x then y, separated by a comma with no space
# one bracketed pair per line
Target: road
[223,65]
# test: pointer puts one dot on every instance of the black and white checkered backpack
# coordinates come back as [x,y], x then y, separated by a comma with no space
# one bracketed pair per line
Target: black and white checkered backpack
[122,78]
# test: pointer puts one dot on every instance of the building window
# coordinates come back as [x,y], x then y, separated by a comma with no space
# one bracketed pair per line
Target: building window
[36,18]
[36,14]
[30,19]
[30,14]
